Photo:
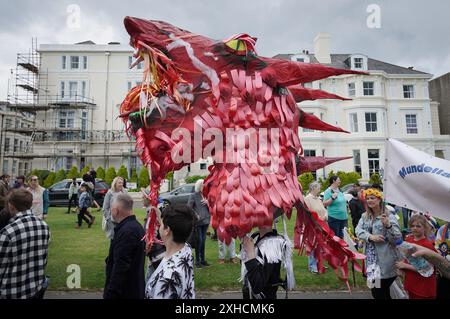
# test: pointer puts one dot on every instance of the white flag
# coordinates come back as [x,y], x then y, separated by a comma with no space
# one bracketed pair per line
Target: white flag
[417,180]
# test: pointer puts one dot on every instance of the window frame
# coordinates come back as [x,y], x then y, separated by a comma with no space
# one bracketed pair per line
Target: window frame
[375,162]
[416,128]
[408,94]
[366,90]
[351,91]
[354,125]
[371,123]
[72,62]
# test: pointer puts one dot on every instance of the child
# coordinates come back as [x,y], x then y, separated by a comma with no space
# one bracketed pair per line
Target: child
[417,286]
[84,203]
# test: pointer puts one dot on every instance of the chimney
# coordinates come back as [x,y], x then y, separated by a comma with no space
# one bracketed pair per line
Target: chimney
[322,47]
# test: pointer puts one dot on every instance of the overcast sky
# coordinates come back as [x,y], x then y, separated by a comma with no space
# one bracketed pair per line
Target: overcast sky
[412,33]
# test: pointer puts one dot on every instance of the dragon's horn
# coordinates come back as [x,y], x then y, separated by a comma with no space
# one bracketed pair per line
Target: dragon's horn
[301,93]
[313,163]
[314,123]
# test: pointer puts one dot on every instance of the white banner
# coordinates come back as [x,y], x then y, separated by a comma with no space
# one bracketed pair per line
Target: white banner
[416,180]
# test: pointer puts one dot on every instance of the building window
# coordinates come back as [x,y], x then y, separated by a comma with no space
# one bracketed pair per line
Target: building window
[5,166]
[85,62]
[20,146]
[8,123]
[357,161]
[351,89]
[63,62]
[353,122]
[7,143]
[408,91]
[301,60]
[74,62]
[84,119]
[16,145]
[66,119]
[368,88]
[374,161]
[358,63]
[439,154]
[371,122]
[14,167]
[83,88]
[26,168]
[202,165]
[309,153]
[63,88]
[73,89]
[129,84]
[411,124]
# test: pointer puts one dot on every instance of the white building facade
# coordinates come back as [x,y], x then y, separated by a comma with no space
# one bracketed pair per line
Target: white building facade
[391,102]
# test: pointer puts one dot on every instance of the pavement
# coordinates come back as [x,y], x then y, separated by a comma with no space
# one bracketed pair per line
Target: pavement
[337,294]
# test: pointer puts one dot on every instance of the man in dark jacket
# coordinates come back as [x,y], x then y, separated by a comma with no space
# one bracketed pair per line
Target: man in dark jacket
[356,207]
[199,204]
[125,263]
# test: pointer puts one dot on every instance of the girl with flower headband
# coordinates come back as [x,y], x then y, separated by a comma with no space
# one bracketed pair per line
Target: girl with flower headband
[379,230]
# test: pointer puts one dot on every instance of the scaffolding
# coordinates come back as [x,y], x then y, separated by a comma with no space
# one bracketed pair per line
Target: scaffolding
[28,97]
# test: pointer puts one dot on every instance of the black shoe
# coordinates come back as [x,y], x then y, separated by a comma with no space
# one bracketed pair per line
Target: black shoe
[205,263]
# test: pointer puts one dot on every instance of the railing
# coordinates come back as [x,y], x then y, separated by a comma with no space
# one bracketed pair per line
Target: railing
[83,136]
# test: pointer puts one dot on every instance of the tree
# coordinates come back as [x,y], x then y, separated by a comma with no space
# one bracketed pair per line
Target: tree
[101,172]
[144,178]
[169,177]
[375,179]
[40,173]
[305,179]
[123,172]
[73,172]
[134,177]
[60,175]
[110,175]
[50,180]
[84,170]
[194,178]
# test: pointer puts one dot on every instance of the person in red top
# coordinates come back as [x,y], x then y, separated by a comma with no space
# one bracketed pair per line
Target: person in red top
[417,286]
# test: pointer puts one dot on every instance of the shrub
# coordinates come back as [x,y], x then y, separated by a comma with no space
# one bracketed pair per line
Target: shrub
[50,180]
[123,172]
[110,175]
[60,175]
[73,172]
[84,170]
[305,179]
[134,177]
[194,178]
[42,174]
[144,178]
[375,179]
[101,172]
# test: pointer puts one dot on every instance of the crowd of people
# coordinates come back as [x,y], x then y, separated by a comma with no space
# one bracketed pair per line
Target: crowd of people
[183,230]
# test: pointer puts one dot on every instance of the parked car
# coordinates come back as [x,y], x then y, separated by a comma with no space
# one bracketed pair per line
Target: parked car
[179,195]
[347,188]
[59,192]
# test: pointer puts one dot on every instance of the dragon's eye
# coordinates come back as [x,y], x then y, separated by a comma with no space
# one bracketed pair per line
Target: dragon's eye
[237,45]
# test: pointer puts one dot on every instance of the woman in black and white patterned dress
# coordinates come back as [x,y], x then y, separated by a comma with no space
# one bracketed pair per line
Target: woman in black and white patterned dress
[174,277]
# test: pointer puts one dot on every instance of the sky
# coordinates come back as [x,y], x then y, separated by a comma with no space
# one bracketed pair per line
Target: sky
[403,32]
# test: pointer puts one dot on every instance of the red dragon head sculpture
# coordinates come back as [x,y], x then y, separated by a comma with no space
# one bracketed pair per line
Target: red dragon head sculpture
[201,97]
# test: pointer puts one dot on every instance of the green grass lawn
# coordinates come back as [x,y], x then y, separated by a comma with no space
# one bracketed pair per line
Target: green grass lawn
[88,248]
